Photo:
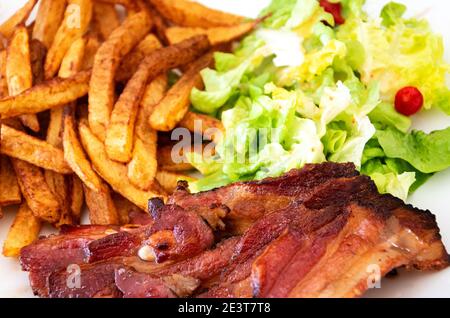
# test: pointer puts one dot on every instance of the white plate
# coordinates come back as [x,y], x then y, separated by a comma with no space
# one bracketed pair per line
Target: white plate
[433,196]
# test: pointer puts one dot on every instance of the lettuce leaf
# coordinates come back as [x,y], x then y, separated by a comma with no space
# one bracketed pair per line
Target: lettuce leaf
[398,53]
[427,153]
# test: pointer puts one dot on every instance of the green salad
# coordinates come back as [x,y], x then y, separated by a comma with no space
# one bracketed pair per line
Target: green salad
[322,81]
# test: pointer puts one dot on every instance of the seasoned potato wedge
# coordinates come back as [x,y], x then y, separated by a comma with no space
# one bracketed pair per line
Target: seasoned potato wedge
[112,172]
[76,158]
[192,14]
[76,198]
[17,144]
[216,35]
[165,161]
[105,19]
[131,62]
[102,210]
[204,125]
[24,231]
[3,82]
[77,18]
[174,106]
[18,71]
[106,62]
[169,180]
[9,187]
[47,95]
[8,27]
[48,20]
[143,165]
[120,133]
[36,192]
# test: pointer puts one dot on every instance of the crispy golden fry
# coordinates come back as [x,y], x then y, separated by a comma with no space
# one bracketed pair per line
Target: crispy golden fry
[36,192]
[168,180]
[76,198]
[75,24]
[71,64]
[20,145]
[8,27]
[160,25]
[113,172]
[48,20]
[37,57]
[208,127]
[174,106]
[24,231]
[124,208]
[58,185]
[120,133]
[102,210]
[192,14]
[107,59]
[76,158]
[47,95]
[9,187]
[217,35]
[73,61]
[105,19]
[92,46]
[3,82]
[165,161]
[131,62]
[143,165]
[18,71]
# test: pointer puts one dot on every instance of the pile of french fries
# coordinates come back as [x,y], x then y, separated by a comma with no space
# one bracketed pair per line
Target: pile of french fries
[84,97]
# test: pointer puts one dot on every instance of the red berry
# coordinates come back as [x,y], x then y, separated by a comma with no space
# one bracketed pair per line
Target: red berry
[334,9]
[408,101]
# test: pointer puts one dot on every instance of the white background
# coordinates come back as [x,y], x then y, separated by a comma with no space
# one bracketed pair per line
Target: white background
[435,195]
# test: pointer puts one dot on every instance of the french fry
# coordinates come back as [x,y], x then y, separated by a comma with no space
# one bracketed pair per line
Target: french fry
[165,161]
[114,173]
[131,62]
[17,144]
[124,208]
[48,20]
[216,35]
[75,24]
[105,18]
[18,71]
[3,81]
[174,106]
[71,64]
[76,198]
[36,192]
[120,133]
[192,14]
[160,25]
[102,210]
[9,187]
[37,57]
[8,27]
[76,158]
[57,184]
[47,95]
[24,231]
[169,180]
[106,62]
[143,165]
[204,125]
[92,46]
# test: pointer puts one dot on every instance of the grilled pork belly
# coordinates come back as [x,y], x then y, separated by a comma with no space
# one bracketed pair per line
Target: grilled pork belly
[323,231]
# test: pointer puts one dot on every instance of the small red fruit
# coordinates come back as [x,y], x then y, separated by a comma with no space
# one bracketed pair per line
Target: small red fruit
[408,101]
[334,9]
